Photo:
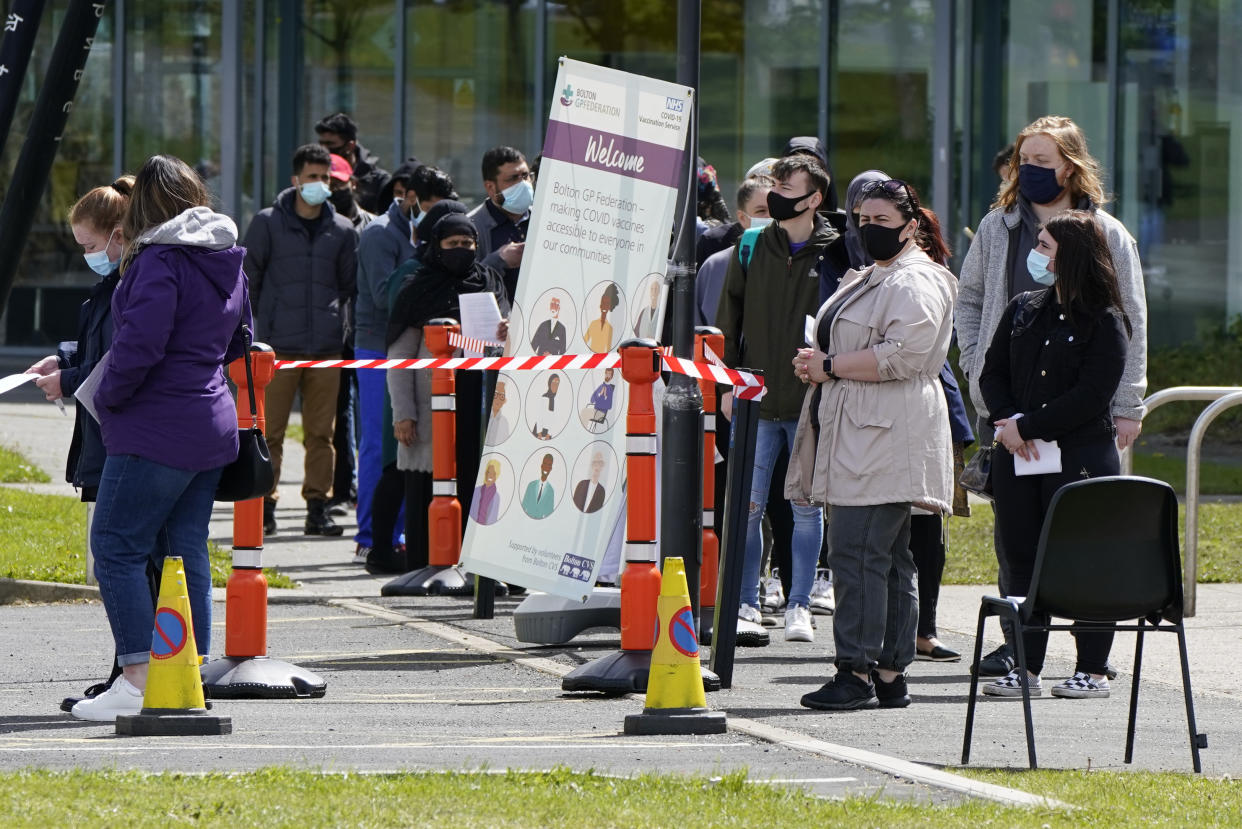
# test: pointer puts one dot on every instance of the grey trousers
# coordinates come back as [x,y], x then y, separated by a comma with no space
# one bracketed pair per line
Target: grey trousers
[874,580]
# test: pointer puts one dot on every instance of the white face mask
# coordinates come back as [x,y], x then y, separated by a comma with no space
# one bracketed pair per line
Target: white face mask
[760,222]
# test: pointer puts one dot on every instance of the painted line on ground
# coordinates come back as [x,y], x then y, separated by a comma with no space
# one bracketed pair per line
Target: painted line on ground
[116,747]
[893,766]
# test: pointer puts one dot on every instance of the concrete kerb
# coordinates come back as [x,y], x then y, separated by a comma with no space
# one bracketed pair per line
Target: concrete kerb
[16,591]
[894,766]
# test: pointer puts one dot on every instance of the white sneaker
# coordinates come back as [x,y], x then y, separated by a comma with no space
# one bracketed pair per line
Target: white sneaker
[121,698]
[750,634]
[747,613]
[822,601]
[798,625]
[773,595]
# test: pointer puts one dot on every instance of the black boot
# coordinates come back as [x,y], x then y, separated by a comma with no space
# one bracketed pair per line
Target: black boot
[269,517]
[318,522]
[390,562]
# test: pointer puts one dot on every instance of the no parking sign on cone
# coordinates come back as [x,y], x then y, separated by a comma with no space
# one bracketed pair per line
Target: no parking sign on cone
[173,703]
[676,703]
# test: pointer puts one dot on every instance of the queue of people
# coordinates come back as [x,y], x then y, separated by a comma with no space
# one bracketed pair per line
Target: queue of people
[862,406]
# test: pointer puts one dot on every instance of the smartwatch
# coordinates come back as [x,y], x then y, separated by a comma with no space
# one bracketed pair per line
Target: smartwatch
[828,369]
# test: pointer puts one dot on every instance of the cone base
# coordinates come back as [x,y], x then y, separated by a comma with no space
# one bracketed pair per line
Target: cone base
[434,580]
[676,721]
[623,672]
[189,722]
[259,677]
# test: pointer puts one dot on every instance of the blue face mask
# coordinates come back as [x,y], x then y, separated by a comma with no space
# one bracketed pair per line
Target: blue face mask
[314,192]
[1038,184]
[418,219]
[99,261]
[1037,267]
[518,198]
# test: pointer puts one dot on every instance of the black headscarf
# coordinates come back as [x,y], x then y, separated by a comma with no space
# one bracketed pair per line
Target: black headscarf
[853,243]
[432,291]
[434,214]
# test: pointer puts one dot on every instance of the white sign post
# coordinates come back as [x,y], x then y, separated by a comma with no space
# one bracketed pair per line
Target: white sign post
[550,483]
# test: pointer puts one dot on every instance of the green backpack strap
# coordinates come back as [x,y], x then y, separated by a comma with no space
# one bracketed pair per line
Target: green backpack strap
[746,245]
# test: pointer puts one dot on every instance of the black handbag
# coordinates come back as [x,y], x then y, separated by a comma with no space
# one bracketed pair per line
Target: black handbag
[977,476]
[251,475]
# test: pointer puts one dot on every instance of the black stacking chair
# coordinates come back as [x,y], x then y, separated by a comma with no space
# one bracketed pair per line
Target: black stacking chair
[1108,553]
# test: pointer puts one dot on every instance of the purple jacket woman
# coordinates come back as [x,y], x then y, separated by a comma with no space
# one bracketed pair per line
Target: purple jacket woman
[165,412]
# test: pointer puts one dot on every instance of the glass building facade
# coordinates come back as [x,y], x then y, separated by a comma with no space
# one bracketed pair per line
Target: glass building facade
[927,90]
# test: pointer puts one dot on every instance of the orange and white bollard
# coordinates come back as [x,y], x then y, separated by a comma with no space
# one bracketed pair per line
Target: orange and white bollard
[441,575]
[246,671]
[626,671]
[713,339]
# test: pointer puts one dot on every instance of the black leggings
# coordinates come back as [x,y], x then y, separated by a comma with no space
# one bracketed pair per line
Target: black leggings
[391,489]
[927,547]
[1021,504]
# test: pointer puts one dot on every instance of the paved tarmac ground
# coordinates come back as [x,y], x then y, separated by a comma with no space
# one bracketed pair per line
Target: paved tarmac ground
[416,683]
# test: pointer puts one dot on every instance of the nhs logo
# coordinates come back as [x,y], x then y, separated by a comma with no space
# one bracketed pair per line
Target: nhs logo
[674,104]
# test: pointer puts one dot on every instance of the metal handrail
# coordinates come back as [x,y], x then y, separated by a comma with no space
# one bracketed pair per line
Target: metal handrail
[1190,549]
[1222,397]
[1175,394]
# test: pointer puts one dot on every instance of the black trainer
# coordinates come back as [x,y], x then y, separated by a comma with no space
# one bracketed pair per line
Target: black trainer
[391,562]
[845,692]
[893,694]
[997,663]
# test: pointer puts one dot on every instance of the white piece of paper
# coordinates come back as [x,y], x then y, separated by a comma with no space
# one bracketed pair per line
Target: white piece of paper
[808,331]
[14,380]
[480,317]
[87,388]
[1048,463]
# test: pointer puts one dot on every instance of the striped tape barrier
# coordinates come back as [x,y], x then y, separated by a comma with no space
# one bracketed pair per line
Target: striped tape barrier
[751,384]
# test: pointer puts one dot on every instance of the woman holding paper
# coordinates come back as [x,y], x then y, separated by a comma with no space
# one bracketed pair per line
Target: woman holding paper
[1048,379]
[447,269]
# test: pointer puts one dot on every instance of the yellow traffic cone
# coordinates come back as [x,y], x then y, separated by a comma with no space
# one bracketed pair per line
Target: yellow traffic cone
[675,700]
[173,703]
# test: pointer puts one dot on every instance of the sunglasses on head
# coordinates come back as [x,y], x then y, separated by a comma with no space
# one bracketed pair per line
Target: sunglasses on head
[894,187]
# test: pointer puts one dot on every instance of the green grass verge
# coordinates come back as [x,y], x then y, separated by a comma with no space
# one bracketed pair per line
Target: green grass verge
[971,558]
[277,797]
[1214,478]
[15,469]
[44,539]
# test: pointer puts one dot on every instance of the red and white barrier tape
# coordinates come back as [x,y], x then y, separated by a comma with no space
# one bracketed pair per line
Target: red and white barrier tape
[610,359]
[740,392]
[470,343]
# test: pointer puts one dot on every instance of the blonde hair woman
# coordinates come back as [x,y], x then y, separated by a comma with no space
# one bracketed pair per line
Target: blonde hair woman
[1050,172]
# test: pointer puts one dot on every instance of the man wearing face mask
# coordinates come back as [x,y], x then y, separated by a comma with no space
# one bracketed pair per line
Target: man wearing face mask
[301,260]
[501,220]
[338,133]
[344,196]
[762,309]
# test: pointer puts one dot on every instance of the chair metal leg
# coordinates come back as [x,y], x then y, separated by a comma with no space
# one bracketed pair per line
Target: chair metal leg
[974,687]
[1134,691]
[1197,740]
[1023,681]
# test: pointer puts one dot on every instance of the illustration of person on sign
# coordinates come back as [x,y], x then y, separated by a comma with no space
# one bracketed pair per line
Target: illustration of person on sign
[589,493]
[540,497]
[550,335]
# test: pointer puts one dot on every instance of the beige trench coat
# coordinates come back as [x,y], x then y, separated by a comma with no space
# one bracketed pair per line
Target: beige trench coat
[885,442]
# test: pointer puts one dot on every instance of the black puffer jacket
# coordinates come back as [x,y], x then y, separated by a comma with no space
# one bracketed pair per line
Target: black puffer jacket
[77,360]
[1060,377]
[300,287]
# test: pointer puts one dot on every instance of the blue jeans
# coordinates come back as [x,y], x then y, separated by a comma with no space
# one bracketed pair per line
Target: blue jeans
[371,386]
[147,509]
[808,533]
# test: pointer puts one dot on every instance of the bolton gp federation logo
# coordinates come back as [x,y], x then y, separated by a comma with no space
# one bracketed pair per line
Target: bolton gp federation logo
[567,96]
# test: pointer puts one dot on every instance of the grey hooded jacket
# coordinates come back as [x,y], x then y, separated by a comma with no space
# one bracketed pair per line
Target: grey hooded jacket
[300,287]
[982,295]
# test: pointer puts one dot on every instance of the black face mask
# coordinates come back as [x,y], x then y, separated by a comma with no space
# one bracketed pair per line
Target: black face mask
[343,201]
[881,243]
[1038,184]
[782,208]
[457,261]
